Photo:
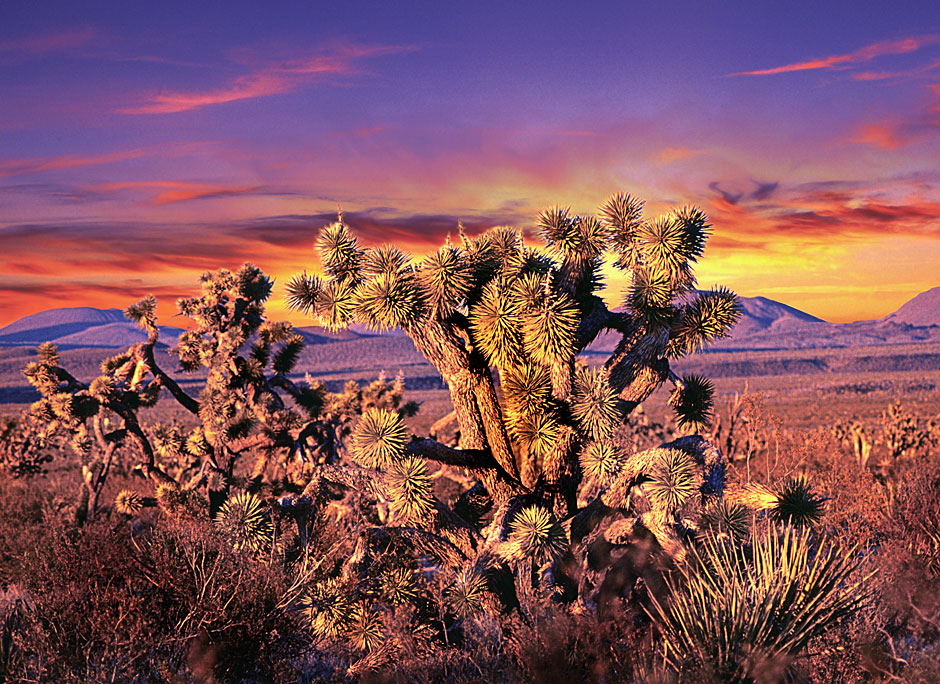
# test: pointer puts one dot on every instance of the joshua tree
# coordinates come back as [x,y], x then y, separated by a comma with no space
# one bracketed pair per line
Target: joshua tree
[249,406]
[504,324]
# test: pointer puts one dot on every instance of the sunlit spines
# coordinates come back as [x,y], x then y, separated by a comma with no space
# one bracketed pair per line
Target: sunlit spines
[622,215]
[302,292]
[379,437]
[594,404]
[550,330]
[710,315]
[495,325]
[601,461]
[286,357]
[526,388]
[245,521]
[384,260]
[446,278]
[388,301]
[410,490]
[144,312]
[673,480]
[340,253]
[535,534]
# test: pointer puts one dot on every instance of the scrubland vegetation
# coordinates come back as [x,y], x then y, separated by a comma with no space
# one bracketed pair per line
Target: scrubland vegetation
[547,529]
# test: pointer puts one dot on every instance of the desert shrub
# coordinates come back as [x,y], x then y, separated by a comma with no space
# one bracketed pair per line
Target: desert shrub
[176,601]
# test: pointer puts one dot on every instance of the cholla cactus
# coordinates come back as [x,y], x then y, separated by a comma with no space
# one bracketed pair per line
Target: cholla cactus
[250,406]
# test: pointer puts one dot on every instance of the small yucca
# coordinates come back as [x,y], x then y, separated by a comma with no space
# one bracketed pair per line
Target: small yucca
[593,403]
[726,518]
[365,628]
[693,402]
[734,609]
[398,585]
[329,609]
[379,437]
[601,460]
[797,503]
[535,534]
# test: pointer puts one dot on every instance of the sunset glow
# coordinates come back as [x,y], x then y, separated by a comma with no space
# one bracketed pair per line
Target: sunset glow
[140,147]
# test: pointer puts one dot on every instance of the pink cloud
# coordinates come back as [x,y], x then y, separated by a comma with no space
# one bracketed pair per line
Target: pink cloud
[272,79]
[53,42]
[865,54]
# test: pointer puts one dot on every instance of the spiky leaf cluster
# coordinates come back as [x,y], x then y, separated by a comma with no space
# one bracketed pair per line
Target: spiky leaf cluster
[594,404]
[797,503]
[244,519]
[535,534]
[379,437]
[601,461]
[128,502]
[673,480]
[693,401]
[410,489]
[467,595]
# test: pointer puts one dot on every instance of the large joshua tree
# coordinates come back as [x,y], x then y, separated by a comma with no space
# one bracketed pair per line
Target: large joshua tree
[504,323]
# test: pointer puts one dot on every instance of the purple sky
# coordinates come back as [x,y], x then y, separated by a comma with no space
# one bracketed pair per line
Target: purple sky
[141,145]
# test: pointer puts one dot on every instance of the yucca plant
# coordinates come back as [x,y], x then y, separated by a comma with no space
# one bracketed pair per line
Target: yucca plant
[745,613]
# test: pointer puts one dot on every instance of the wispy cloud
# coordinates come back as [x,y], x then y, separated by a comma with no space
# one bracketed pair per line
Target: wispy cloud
[671,154]
[51,42]
[901,130]
[269,79]
[865,54]
[20,167]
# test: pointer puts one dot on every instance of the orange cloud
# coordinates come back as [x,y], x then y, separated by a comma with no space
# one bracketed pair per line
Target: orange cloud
[865,54]
[886,75]
[269,80]
[671,154]
[899,132]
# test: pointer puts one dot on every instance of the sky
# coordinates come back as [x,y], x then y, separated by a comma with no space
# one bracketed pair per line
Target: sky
[142,144]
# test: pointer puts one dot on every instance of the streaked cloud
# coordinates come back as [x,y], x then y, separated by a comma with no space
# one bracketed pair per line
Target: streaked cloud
[270,79]
[51,42]
[865,54]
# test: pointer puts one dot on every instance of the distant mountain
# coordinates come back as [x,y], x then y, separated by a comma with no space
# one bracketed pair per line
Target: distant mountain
[54,323]
[922,310]
[762,314]
[113,335]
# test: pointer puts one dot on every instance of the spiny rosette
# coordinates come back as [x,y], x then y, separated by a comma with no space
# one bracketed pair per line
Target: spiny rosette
[384,260]
[340,253]
[303,292]
[365,629]
[379,437]
[664,249]
[495,324]
[693,401]
[410,489]
[536,433]
[467,595]
[797,504]
[526,387]
[726,518]
[594,404]
[549,331]
[398,585]
[534,533]
[128,502]
[601,461]
[709,316]
[245,521]
[388,301]
[446,278]
[329,609]
[336,304]
[674,480]
[623,216]
[650,296]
